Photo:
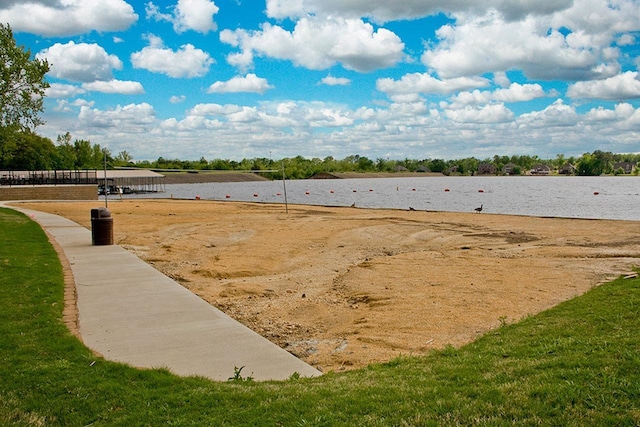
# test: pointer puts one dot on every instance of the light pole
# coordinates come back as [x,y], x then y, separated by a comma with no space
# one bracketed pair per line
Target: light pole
[106,202]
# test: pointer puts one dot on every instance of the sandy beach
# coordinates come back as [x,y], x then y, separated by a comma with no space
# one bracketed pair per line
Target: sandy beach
[344,287]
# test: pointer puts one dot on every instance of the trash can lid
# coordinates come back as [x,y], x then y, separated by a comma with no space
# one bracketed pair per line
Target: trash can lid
[100,213]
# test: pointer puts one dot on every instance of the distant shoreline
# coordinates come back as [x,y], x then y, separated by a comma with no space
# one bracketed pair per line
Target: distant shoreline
[208,176]
[220,176]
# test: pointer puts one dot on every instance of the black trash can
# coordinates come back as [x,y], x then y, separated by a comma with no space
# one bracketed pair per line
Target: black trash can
[101,227]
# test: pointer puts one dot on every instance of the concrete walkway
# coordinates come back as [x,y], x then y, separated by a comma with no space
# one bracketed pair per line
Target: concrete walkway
[129,312]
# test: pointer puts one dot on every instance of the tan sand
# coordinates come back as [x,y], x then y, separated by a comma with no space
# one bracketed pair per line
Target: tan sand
[345,287]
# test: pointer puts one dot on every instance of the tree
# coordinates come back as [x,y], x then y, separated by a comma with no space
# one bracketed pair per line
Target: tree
[437,165]
[586,165]
[66,152]
[124,158]
[383,165]
[7,147]
[604,161]
[559,161]
[329,164]
[22,85]
[594,164]
[219,164]
[366,165]
[84,155]
[33,152]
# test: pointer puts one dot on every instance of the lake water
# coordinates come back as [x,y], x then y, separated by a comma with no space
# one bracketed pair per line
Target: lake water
[572,197]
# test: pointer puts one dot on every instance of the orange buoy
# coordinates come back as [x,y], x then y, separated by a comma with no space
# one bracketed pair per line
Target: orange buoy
[331,191]
[197,197]
[278,194]
[355,191]
[306,192]
[255,194]
[228,196]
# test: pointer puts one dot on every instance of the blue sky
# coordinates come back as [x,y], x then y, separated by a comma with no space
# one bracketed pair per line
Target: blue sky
[417,79]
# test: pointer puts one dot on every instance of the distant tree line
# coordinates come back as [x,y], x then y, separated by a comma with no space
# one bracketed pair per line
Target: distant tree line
[29,151]
[299,167]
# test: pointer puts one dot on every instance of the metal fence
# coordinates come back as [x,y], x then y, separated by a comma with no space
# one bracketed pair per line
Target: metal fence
[54,177]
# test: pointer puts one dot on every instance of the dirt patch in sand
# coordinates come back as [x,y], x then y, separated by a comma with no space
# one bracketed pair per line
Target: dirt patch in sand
[344,287]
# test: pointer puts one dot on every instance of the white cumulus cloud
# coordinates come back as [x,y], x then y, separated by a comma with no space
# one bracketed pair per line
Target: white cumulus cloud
[132,117]
[424,83]
[186,62]
[318,44]
[492,113]
[327,116]
[335,81]
[213,110]
[601,114]
[80,62]
[556,114]
[177,99]
[477,45]
[196,15]
[384,10]
[60,90]
[516,92]
[622,86]
[115,86]
[248,83]
[68,17]
[599,22]
[519,93]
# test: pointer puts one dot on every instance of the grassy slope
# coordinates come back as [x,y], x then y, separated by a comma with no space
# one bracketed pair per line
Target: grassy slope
[204,177]
[576,364]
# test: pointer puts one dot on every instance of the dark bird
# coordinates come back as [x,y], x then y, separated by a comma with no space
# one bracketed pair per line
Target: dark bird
[479,209]
[353,205]
[411,209]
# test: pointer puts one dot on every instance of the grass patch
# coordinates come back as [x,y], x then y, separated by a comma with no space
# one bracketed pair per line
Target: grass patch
[576,364]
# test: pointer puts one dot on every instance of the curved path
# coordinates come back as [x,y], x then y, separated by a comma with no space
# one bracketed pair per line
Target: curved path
[129,312]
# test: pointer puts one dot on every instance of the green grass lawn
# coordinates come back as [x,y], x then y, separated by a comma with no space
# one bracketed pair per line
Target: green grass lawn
[577,364]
